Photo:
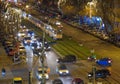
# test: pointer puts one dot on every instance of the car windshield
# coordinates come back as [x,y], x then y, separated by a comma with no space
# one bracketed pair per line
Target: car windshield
[27,38]
[22,47]
[63,67]
[41,71]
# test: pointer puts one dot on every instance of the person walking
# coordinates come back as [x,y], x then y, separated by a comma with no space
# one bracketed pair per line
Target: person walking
[3,72]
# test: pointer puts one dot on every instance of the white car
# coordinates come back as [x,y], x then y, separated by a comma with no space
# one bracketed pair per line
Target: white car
[62,70]
[40,75]
[59,24]
[21,34]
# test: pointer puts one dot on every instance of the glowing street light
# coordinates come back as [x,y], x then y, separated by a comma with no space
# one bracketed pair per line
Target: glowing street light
[91,5]
[27,6]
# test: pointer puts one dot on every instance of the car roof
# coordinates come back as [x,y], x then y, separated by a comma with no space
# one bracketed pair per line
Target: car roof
[17,78]
[70,56]
[40,68]
[62,66]
[102,70]
[105,58]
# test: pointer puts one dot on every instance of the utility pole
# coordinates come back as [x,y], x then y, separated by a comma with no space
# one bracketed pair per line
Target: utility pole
[94,70]
[42,60]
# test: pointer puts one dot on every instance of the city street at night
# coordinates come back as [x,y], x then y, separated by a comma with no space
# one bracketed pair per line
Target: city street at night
[59,42]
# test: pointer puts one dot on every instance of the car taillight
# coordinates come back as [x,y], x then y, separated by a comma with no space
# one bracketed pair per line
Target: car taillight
[109,61]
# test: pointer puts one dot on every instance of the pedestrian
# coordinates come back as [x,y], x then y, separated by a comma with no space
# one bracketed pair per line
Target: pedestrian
[3,72]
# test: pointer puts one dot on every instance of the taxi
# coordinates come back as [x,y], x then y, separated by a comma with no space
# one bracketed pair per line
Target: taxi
[17,80]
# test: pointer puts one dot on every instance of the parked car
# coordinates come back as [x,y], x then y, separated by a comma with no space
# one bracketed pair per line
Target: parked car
[102,73]
[92,58]
[11,51]
[17,80]
[16,58]
[8,46]
[104,62]
[22,49]
[62,69]
[6,43]
[57,81]
[77,81]
[67,59]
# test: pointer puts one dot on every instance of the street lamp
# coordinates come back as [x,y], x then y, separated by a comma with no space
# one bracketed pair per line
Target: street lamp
[27,6]
[92,5]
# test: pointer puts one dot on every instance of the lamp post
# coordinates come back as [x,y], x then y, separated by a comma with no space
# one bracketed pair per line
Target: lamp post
[42,60]
[92,5]
[94,70]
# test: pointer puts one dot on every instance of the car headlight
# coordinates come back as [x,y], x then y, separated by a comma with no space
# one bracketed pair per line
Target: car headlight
[49,47]
[109,61]
[47,76]
[57,60]
[67,71]
[25,41]
[19,34]
[60,72]
[39,53]
[39,76]
[38,47]
[89,75]
[32,47]
[33,34]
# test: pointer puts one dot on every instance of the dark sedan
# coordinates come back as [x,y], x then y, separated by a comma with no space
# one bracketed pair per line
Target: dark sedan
[102,73]
[67,59]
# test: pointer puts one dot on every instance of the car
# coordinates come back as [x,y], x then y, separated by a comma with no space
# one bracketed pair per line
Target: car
[16,58]
[92,58]
[27,40]
[37,52]
[58,24]
[62,69]
[21,34]
[47,46]
[104,62]
[40,75]
[6,43]
[21,49]
[30,33]
[67,59]
[11,51]
[17,80]
[33,45]
[101,73]
[77,81]
[8,46]
[57,81]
